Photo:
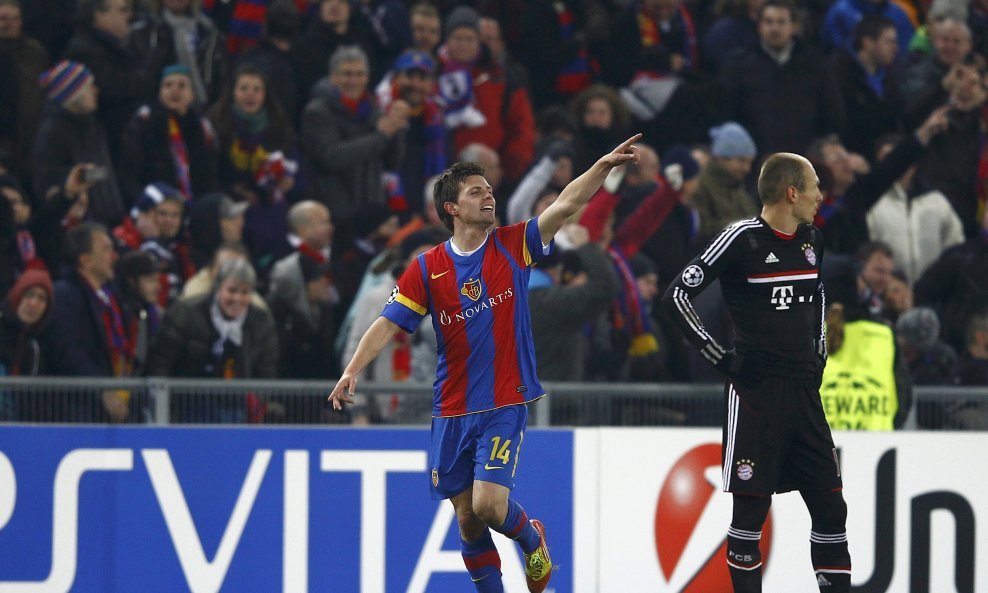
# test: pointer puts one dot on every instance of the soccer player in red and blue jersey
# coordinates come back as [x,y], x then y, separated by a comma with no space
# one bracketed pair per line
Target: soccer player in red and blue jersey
[475,286]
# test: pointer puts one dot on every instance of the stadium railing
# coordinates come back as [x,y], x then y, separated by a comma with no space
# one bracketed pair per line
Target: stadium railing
[165,401]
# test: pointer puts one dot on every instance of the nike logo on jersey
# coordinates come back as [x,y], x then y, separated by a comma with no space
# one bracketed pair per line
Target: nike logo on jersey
[489,467]
[771,259]
[439,275]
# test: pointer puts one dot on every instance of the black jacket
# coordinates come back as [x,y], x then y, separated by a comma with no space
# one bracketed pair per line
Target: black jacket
[868,115]
[76,337]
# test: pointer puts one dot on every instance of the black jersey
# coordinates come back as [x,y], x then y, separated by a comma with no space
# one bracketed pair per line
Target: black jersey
[771,284]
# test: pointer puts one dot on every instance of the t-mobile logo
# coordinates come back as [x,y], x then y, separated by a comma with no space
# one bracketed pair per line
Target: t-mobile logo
[781,297]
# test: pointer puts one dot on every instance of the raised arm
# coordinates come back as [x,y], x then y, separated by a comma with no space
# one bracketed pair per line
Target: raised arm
[378,335]
[579,191]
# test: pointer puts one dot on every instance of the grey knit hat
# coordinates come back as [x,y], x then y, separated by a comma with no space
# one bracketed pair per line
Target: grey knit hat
[919,326]
[462,16]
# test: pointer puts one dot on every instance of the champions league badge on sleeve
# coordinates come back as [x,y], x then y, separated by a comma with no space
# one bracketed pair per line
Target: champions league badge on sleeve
[809,253]
[693,276]
[394,294]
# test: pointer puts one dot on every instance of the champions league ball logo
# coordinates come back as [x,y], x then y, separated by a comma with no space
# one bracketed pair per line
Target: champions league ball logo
[693,276]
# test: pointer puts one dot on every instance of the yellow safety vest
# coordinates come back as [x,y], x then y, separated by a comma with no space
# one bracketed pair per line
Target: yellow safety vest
[858,390]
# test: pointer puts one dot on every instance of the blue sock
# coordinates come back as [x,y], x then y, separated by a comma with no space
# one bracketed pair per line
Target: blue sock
[483,563]
[517,527]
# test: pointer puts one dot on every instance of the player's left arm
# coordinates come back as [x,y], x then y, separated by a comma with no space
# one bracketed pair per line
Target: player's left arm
[579,191]
[378,335]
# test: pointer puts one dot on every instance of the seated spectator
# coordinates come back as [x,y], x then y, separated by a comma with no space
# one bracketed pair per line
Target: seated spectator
[178,31]
[137,276]
[170,248]
[721,197]
[70,135]
[23,315]
[142,224]
[214,220]
[88,336]
[169,141]
[250,125]
[217,335]
[930,360]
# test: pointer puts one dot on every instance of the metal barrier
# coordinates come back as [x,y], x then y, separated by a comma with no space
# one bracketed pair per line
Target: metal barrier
[157,400]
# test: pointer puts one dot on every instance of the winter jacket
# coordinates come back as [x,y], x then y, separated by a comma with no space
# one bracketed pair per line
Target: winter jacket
[720,200]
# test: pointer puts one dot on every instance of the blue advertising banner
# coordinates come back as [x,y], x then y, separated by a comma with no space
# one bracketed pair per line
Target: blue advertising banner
[224,510]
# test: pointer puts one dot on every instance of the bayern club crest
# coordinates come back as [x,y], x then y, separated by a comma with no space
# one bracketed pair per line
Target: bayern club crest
[809,253]
[746,469]
[693,276]
[471,289]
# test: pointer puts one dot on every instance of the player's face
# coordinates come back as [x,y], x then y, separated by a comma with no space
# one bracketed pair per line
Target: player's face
[808,197]
[475,204]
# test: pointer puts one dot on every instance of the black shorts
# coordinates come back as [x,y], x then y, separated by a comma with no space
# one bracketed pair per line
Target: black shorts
[776,439]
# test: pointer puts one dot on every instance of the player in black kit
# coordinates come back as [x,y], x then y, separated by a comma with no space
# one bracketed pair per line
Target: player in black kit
[776,437]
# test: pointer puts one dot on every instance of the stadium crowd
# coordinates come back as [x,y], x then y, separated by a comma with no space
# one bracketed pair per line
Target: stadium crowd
[229,188]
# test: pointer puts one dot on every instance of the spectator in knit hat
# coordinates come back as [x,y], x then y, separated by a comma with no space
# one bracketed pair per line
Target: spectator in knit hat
[170,248]
[169,140]
[69,135]
[722,198]
[141,225]
[23,316]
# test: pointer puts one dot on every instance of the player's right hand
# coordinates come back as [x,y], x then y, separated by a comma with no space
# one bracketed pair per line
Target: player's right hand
[343,392]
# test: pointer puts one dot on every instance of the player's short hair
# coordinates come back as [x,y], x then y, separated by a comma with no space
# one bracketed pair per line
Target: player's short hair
[779,172]
[447,187]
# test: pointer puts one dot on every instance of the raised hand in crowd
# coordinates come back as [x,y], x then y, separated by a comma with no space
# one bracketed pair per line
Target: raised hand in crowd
[395,119]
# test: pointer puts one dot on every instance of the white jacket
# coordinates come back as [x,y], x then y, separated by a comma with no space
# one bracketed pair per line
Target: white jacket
[917,229]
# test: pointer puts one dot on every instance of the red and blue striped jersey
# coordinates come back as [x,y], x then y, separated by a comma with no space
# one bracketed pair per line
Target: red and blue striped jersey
[479,308]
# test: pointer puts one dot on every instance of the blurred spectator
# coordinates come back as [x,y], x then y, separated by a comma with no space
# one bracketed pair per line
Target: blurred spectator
[915,220]
[265,229]
[169,248]
[663,25]
[485,102]
[865,383]
[550,174]
[556,51]
[69,135]
[137,275]
[272,57]
[205,279]
[347,142]
[931,361]
[735,29]
[124,79]
[30,59]
[336,25]
[413,80]
[872,100]
[782,91]
[721,197]
[170,141]
[843,15]
[214,220]
[426,27]
[898,297]
[972,370]
[179,32]
[563,300]
[408,357]
[88,332]
[372,228]
[27,238]
[50,22]
[250,124]
[954,285]
[142,224]
[603,121]
[390,25]
[221,335]
[854,187]
[951,40]
[23,317]
[875,263]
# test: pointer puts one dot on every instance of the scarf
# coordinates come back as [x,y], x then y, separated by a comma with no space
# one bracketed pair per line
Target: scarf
[231,330]
[186,34]
[180,156]
[583,69]
[117,339]
[25,246]
[359,108]
[651,34]
[456,92]
[247,152]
